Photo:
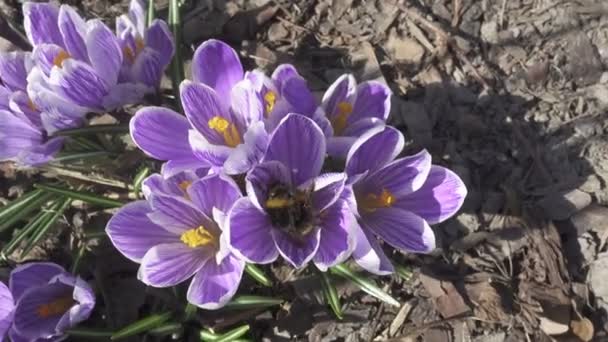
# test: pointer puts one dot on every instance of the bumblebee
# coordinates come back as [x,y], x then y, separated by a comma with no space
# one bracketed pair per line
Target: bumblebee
[291,211]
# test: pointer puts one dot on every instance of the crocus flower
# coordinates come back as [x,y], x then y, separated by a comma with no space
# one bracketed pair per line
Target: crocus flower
[47,301]
[397,199]
[171,184]
[283,93]
[224,127]
[23,126]
[77,60]
[7,307]
[291,209]
[353,109]
[175,238]
[146,51]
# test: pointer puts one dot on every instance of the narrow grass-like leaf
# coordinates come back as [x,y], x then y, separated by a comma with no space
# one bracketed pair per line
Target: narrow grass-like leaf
[331,294]
[139,178]
[91,130]
[14,206]
[230,336]
[404,272]
[208,335]
[78,258]
[83,155]
[166,329]
[364,284]
[151,15]
[81,195]
[141,326]
[257,274]
[85,333]
[10,247]
[190,311]
[248,302]
[25,209]
[52,217]
[85,144]
[177,65]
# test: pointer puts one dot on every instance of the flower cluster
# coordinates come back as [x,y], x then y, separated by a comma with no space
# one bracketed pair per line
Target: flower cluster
[41,302]
[76,67]
[258,169]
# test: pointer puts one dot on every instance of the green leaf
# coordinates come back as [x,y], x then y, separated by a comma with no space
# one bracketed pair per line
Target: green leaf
[51,217]
[257,274]
[66,157]
[24,209]
[177,65]
[151,13]
[404,272]
[248,302]
[166,329]
[78,258]
[141,326]
[190,311]
[91,130]
[81,195]
[331,295]
[230,336]
[364,284]
[139,178]
[14,206]
[10,247]
[88,333]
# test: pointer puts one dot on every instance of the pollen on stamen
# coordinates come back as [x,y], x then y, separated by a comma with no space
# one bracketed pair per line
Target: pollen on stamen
[55,308]
[60,57]
[198,237]
[231,135]
[270,98]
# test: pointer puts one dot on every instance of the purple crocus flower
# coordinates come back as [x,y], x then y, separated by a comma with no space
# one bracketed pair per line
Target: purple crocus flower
[223,127]
[291,209]
[78,60]
[397,199]
[146,51]
[45,301]
[353,109]
[23,126]
[178,237]
[7,308]
[283,93]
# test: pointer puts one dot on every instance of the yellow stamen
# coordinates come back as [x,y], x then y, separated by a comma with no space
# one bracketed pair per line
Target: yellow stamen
[56,307]
[139,45]
[372,201]
[184,185]
[31,105]
[270,98]
[277,203]
[198,237]
[345,109]
[61,56]
[130,54]
[231,135]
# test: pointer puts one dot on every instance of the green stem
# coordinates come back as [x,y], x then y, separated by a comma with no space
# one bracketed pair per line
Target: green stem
[25,209]
[257,274]
[151,12]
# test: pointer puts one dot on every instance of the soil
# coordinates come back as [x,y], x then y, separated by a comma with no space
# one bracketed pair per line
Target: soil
[511,95]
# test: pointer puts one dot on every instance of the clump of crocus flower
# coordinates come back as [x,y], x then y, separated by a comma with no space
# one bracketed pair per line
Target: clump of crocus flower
[271,136]
[42,301]
[24,127]
[146,50]
[80,61]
